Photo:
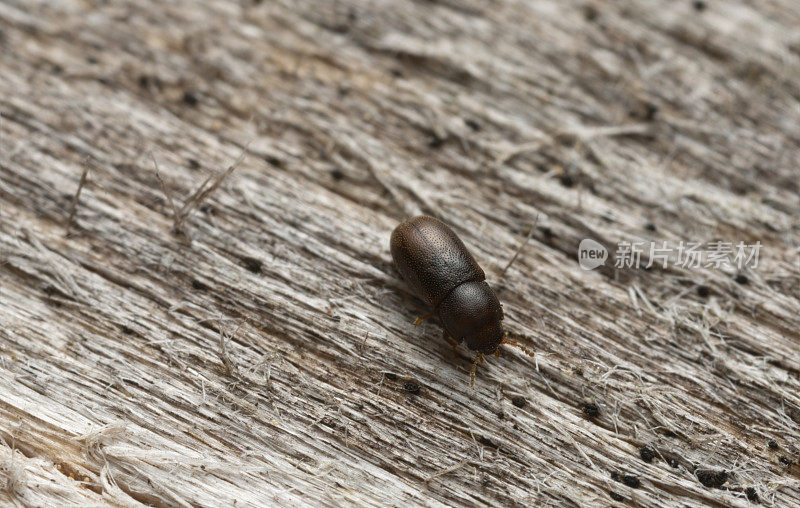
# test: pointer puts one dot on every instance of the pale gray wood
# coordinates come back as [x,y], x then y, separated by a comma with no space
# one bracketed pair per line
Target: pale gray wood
[243,362]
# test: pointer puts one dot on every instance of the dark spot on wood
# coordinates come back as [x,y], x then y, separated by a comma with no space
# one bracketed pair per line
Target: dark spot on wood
[396,73]
[631,481]
[673,463]
[485,441]
[472,124]
[785,460]
[650,111]
[703,291]
[198,285]
[646,111]
[391,376]
[252,264]
[699,5]
[590,409]
[437,141]
[501,415]
[751,494]
[616,497]
[741,279]
[190,98]
[273,160]
[411,387]
[567,180]
[590,13]
[91,59]
[547,233]
[337,174]
[208,209]
[773,444]
[143,81]
[340,28]
[647,453]
[739,188]
[712,479]
[127,330]
[193,164]
[50,290]
[650,226]
[519,401]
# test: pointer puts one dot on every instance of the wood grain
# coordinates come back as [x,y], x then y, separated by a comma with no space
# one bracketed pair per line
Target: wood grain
[265,355]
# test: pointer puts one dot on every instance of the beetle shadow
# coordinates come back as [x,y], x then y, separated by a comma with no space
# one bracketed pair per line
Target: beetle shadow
[432,336]
[412,307]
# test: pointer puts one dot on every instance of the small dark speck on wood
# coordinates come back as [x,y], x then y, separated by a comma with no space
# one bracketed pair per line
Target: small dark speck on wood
[711,478]
[631,481]
[411,387]
[590,409]
[252,264]
[647,453]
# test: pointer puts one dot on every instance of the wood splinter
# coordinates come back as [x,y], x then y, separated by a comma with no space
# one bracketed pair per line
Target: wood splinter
[77,195]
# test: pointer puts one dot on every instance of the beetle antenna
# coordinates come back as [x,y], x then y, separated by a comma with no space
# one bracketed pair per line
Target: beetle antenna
[511,342]
[478,357]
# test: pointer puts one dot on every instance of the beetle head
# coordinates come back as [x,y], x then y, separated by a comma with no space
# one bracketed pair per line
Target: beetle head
[487,338]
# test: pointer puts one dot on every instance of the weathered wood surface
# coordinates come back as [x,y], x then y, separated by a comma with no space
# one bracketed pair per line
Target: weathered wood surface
[244,362]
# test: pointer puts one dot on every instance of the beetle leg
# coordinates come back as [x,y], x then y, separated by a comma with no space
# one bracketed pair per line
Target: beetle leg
[478,357]
[422,318]
[452,342]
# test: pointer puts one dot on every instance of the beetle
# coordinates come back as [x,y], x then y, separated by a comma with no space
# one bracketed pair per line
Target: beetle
[439,269]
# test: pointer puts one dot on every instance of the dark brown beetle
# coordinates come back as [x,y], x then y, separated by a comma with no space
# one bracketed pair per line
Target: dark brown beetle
[441,271]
